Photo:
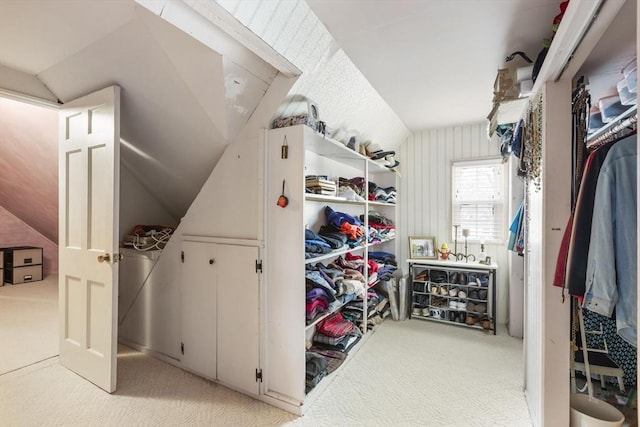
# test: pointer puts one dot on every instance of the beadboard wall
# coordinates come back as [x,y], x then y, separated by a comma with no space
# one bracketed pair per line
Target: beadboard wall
[425,192]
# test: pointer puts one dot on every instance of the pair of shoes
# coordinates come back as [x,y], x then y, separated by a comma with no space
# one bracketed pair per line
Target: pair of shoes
[457,317]
[485,323]
[480,307]
[439,290]
[483,280]
[476,307]
[438,313]
[458,305]
[438,276]
[471,319]
[438,302]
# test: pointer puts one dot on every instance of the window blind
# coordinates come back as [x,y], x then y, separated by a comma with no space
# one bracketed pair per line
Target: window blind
[478,201]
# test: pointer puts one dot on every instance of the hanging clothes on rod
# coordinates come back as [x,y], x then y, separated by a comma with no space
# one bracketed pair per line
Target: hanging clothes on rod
[624,127]
[612,261]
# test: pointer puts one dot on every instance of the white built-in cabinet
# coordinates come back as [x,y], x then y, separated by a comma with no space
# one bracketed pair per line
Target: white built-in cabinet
[221,311]
[287,334]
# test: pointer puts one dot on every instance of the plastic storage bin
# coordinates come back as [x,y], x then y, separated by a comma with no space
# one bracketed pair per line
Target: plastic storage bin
[631,76]
[626,97]
[610,108]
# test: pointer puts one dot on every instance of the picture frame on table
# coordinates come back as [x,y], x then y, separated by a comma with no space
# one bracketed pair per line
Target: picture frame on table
[422,247]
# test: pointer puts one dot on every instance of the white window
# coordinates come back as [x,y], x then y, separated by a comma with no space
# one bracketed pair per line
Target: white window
[478,199]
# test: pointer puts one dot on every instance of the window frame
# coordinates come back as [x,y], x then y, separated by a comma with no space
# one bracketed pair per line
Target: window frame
[501,203]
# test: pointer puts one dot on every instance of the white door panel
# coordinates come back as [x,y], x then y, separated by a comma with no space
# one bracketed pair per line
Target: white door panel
[199,308]
[238,316]
[89,205]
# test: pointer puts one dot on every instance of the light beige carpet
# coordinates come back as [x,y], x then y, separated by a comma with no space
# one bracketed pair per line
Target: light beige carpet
[28,323]
[411,373]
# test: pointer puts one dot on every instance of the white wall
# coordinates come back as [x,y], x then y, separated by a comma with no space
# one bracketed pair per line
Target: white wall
[138,205]
[228,205]
[425,191]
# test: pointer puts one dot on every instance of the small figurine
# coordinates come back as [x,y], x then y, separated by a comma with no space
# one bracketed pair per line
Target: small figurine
[444,251]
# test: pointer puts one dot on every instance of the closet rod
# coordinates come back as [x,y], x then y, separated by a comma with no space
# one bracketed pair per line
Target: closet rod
[611,131]
[612,124]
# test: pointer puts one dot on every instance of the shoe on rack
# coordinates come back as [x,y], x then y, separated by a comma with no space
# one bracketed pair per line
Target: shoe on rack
[443,291]
[473,294]
[454,278]
[483,280]
[471,306]
[425,311]
[462,294]
[417,311]
[452,316]
[482,293]
[485,323]
[435,289]
[480,307]
[453,292]
[471,319]
[453,305]
[462,305]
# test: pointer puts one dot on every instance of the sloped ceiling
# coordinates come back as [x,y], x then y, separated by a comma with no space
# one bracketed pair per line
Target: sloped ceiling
[182,102]
[434,61]
[29,165]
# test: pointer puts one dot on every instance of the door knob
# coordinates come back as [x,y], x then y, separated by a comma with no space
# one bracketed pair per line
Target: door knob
[212,261]
[118,257]
[104,258]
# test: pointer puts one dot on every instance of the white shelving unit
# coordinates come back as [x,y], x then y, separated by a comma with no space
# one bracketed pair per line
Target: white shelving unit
[287,331]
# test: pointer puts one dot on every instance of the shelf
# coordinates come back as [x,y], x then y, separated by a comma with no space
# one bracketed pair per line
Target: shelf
[381,243]
[453,265]
[324,316]
[310,197]
[333,254]
[371,203]
[629,112]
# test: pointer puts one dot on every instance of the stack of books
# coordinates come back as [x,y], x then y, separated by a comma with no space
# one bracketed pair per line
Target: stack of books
[320,185]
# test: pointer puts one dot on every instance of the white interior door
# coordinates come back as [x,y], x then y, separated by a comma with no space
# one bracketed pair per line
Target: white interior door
[89,166]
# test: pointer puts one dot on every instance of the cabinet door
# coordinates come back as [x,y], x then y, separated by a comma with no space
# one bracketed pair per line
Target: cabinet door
[199,308]
[238,317]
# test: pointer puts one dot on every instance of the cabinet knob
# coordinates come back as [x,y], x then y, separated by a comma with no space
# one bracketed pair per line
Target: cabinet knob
[212,261]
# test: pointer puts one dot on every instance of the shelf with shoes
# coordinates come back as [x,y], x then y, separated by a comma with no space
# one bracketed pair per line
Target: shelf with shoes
[311,268]
[454,292]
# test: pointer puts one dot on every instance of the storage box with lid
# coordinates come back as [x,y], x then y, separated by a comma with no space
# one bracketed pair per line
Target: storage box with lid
[22,264]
